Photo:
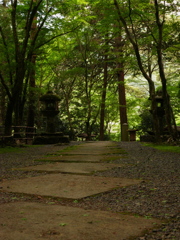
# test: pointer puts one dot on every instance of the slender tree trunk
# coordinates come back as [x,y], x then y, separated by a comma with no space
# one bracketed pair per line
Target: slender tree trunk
[8,119]
[4,3]
[121,88]
[103,100]
[22,49]
[170,120]
[69,117]
[133,40]
[156,123]
[32,84]
[122,102]
[32,79]
[88,130]
[18,94]
[2,106]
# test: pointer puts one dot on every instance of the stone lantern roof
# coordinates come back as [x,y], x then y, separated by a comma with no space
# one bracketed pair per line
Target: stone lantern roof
[50,102]
[49,96]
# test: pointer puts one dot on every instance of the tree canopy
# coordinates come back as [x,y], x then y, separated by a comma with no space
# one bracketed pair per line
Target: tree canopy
[106,60]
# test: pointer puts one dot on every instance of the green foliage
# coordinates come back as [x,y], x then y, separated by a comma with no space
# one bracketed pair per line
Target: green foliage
[146,122]
[72,64]
[165,148]
[10,149]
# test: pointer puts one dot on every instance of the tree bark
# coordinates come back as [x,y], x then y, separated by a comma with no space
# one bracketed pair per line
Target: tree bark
[31,104]
[170,120]
[122,101]
[133,41]
[2,105]
[103,99]
[119,43]
[32,78]
[8,119]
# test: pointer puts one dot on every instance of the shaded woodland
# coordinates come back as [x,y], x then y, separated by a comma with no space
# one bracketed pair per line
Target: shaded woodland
[106,60]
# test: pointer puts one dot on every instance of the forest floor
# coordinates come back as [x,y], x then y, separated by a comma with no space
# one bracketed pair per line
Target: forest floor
[155,196]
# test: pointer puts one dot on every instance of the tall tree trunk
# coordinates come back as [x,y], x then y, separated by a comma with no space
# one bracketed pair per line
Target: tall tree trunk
[88,129]
[121,88]
[32,79]
[72,134]
[2,105]
[8,118]
[18,93]
[170,120]
[22,51]
[133,41]
[103,99]
[32,84]
[155,119]
[122,102]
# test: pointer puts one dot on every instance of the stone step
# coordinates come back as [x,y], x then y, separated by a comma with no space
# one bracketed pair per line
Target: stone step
[37,221]
[65,185]
[70,167]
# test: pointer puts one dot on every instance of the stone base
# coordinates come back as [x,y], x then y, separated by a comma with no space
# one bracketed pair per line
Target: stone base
[147,138]
[7,141]
[50,140]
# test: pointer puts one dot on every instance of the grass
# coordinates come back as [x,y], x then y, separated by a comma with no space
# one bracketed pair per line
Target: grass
[67,149]
[163,147]
[10,149]
[110,159]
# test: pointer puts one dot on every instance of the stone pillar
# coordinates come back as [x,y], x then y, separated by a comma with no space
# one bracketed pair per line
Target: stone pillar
[132,134]
[124,132]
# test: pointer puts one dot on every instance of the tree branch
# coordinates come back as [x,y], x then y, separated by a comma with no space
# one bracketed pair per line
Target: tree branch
[30,18]
[135,45]
[14,27]
[5,86]
[40,27]
[28,14]
[129,6]
[59,35]
[7,54]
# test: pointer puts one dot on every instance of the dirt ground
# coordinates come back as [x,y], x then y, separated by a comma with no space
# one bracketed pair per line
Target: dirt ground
[155,199]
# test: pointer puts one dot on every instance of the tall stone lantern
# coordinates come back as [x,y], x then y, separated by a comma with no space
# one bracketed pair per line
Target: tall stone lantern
[160,109]
[50,110]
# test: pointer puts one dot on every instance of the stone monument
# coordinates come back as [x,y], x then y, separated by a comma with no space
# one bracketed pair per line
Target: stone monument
[50,110]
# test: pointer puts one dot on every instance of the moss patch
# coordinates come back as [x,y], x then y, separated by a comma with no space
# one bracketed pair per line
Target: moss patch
[164,147]
[70,148]
[10,149]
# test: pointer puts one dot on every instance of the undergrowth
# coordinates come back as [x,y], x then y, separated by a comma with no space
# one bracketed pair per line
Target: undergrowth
[163,147]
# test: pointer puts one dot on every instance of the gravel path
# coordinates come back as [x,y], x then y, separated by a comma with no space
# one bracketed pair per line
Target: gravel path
[157,196]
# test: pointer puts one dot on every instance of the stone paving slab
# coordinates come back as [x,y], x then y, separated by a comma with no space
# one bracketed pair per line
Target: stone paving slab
[99,144]
[65,185]
[90,152]
[37,221]
[82,149]
[77,158]
[85,168]
[95,148]
[74,158]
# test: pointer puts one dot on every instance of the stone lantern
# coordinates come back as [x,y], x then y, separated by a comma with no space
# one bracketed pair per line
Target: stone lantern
[50,110]
[160,102]
[160,115]
[160,109]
